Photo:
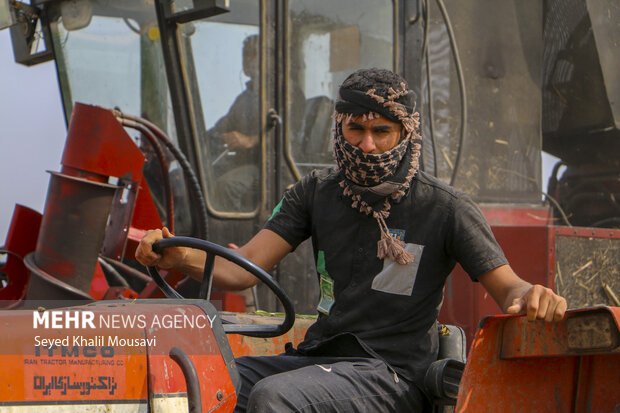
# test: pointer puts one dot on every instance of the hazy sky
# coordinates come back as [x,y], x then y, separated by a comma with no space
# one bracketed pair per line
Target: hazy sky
[32,132]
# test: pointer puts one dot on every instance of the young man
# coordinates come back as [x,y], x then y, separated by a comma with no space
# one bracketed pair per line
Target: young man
[385,237]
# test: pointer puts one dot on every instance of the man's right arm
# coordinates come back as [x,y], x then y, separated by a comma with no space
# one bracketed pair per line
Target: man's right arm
[265,249]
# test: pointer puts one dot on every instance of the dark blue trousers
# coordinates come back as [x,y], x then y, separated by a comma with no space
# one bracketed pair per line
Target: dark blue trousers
[288,383]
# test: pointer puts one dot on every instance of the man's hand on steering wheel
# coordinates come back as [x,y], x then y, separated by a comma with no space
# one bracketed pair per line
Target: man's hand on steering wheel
[162,241]
[169,258]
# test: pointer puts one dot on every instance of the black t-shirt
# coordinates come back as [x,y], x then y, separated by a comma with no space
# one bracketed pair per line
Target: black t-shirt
[390,309]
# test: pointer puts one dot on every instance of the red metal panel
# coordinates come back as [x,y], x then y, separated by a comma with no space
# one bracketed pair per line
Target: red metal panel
[516,216]
[522,339]
[99,286]
[145,214]
[588,232]
[584,390]
[546,377]
[20,241]
[97,143]
[229,301]
[114,293]
[526,249]
[491,384]
[605,384]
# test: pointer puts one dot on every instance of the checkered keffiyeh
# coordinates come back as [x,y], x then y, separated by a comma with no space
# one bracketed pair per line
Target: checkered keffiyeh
[372,181]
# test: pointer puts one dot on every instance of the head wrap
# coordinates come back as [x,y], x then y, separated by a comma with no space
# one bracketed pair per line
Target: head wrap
[372,181]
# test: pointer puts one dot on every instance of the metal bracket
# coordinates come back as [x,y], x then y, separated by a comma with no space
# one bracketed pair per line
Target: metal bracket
[201,9]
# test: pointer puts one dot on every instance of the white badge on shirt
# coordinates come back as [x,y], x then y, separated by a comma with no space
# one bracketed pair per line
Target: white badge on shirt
[399,279]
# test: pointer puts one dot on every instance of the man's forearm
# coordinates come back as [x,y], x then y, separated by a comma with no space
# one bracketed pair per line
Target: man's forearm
[265,249]
[504,285]
[192,264]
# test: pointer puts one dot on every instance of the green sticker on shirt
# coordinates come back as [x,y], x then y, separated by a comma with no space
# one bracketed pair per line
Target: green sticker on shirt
[276,209]
[327,285]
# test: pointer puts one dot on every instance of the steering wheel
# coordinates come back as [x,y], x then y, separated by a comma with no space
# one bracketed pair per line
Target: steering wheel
[212,250]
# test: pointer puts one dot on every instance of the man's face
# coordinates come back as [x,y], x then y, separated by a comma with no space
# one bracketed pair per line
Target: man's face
[250,64]
[373,136]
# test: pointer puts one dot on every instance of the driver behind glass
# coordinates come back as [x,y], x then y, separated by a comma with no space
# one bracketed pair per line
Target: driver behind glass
[235,135]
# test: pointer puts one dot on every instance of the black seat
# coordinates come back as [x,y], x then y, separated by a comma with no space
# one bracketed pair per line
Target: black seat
[444,375]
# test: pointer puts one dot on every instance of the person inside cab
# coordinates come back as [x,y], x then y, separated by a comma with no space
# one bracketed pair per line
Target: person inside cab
[385,235]
[235,135]
[235,148]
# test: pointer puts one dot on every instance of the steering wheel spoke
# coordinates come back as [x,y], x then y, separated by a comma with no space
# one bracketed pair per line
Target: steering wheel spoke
[162,284]
[207,277]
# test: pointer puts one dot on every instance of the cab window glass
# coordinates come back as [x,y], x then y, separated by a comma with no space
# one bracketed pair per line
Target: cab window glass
[109,54]
[223,54]
[326,42]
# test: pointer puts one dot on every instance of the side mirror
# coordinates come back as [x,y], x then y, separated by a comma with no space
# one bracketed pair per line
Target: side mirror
[28,34]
